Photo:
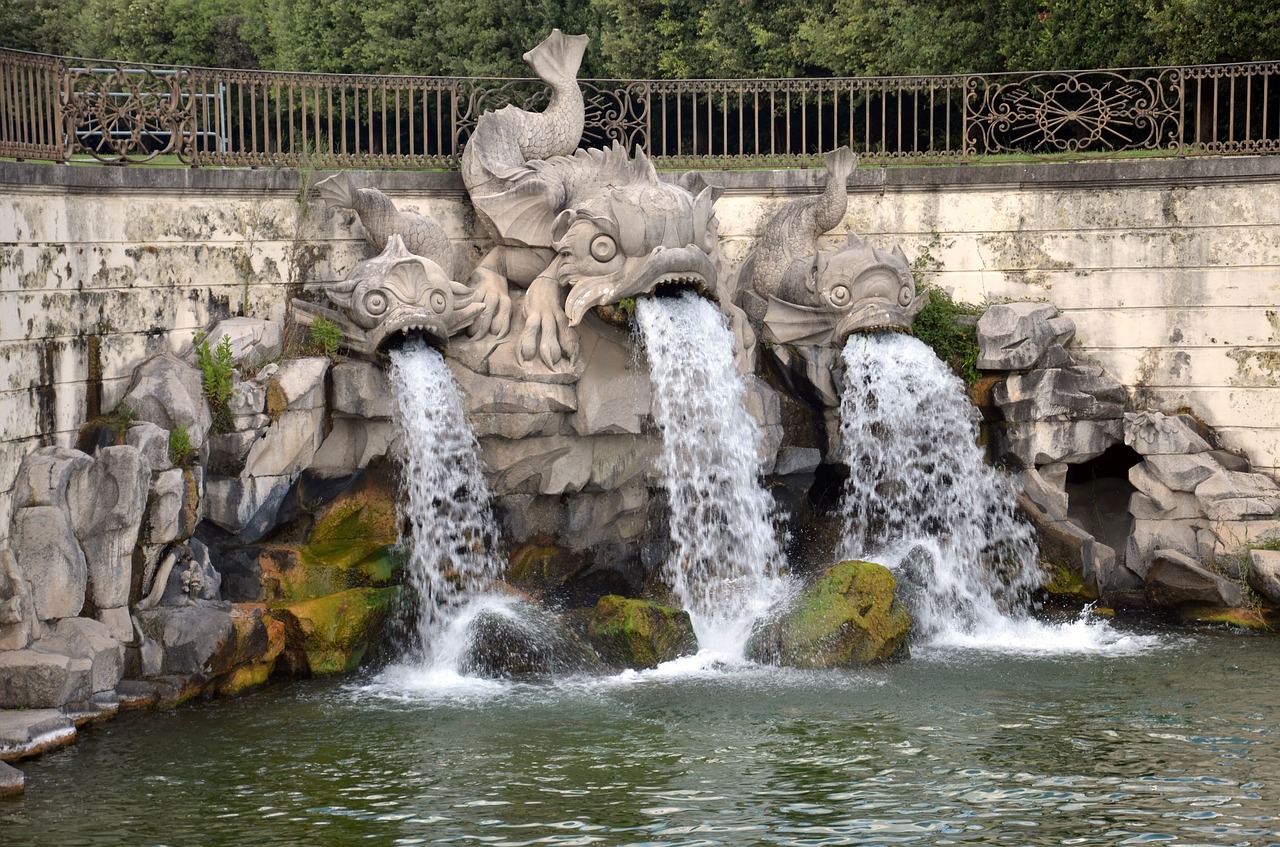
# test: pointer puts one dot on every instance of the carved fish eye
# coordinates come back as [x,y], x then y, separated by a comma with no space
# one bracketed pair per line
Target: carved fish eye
[840,296]
[603,248]
[375,302]
[438,302]
[904,296]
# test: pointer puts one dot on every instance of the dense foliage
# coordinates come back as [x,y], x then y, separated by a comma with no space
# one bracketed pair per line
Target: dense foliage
[652,38]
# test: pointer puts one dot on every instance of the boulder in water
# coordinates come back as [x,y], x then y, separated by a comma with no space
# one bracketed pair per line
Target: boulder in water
[331,634]
[848,618]
[524,640]
[640,633]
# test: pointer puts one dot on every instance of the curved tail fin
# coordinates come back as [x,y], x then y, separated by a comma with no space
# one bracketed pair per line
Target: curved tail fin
[338,191]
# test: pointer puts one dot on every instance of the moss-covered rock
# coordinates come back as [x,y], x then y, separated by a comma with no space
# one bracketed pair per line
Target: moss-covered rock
[331,634]
[257,641]
[351,545]
[847,618]
[640,633]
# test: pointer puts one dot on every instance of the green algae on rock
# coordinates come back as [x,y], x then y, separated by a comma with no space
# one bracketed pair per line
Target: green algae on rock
[640,633]
[849,617]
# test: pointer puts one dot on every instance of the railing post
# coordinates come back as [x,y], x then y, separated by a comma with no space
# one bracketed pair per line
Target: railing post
[1182,111]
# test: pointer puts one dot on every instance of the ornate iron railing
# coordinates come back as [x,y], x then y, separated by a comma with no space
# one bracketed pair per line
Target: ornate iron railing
[57,108]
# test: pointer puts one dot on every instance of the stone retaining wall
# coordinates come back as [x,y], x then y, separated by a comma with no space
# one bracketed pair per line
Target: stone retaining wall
[1170,269]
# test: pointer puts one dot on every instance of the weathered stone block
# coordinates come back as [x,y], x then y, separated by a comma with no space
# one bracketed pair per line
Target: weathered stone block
[640,633]
[107,519]
[51,561]
[561,464]
[848,618]
[331,634]
[609,517]
[614,394]
[353,443]
[85,638]
[1154,433]
[118,623]
[252,339]
[228,452]
[796,460]
[516,425]
[51,476]
[1181,472]
[297,385]
[1014,336]
[245,507]
[1044,442]
[1177,505]
[287,446]
[361,389]
[1077,393]
[1177,580]
[29,732]
[1263,574]
[168,392]
[17,612]
[1051,498]
[152,442]
[1230,496]
[497,395]
[1149,536]
[33,679]
[183,640]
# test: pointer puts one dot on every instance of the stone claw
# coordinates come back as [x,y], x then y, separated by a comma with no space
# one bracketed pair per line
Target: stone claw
[494,318]
[547,334]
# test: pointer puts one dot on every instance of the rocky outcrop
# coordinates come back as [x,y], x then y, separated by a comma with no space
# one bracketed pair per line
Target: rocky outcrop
[848,617]
[640,633]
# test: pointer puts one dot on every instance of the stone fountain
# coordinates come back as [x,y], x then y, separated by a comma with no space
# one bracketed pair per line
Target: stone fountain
[171,555]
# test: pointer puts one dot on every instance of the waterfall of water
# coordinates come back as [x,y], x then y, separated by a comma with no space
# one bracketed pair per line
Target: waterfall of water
[921,499]
[445,502]
[724,557]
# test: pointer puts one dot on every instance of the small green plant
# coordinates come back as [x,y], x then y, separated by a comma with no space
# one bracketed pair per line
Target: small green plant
[950,328]
[180,449]
[326,336]
[217,376]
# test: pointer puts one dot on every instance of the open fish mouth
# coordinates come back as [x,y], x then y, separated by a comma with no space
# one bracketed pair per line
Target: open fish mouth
[664,268]
[878,315]
[397,330]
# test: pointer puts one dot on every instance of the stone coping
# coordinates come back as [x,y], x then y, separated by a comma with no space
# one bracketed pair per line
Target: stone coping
[951,177]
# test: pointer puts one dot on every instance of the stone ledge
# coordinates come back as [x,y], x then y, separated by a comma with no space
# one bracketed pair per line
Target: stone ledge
[30,732]
[1191,170]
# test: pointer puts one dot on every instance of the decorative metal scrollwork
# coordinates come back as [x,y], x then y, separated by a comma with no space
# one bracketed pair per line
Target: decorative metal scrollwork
[614,111]
[125,113]
[1072,113]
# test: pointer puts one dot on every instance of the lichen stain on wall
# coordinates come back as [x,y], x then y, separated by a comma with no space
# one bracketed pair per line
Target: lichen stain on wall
[1255,368]
[1021,258]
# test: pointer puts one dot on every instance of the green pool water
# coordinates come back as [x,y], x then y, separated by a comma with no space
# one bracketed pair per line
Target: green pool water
[1149,737]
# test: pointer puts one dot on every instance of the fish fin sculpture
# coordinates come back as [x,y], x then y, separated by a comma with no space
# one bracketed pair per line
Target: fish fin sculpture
[422,235]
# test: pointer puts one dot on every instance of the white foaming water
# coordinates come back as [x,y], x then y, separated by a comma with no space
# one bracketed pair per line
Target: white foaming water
[445,502]
[724,558]
[921,499]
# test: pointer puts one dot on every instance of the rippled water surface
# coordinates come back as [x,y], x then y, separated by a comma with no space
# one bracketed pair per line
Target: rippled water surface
[1132,742]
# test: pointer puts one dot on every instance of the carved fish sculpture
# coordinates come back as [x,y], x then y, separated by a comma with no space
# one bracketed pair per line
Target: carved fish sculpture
[807,296]
[579,228]
[395,292]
